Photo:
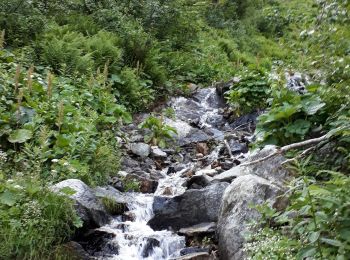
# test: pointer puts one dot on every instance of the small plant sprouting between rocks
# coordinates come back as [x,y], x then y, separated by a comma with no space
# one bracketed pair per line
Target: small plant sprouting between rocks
[113,207]
[160,134]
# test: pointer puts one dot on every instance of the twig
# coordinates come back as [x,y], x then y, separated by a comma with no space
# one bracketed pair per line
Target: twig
[299,155]
[286,148]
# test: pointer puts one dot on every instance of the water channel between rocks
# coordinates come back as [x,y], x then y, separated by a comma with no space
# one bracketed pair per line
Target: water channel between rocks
[197,119]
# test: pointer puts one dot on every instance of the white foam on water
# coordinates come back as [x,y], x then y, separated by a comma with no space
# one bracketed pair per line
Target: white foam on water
[133,237]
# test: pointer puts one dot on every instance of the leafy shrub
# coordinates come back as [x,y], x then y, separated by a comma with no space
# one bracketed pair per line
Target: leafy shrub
[289,119]
[160,133]
[70,52]
[251,93]
[53,126]
[272,22]
[33,220]
[131,90]
[22,21]
[64,51]
[315,224]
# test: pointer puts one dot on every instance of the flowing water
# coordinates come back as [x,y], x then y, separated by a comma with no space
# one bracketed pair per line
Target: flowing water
[135,239]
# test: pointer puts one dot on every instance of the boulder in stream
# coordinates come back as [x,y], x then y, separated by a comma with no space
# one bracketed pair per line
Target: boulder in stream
[190,208]
[88,206]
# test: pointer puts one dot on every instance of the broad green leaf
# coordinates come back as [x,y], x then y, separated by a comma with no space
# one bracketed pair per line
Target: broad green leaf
[300,127]
[313,237]
[331,242]
[311,105]
[20,136]
[307,252]
[8,198]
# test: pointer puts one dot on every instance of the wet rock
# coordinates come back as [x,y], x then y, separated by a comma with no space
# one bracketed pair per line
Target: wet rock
[190,208]
[228,176]
[202,148]
[209,98]
[246,122]
[200,229]
[146,183]
[157,152]
[141,149]
[296,82]
[191,250]
[148,247]
[194,256]
[198,181]
[116,183]
[187,134]
[112,193]
[209,172]
[100,243]
[237,147]
[171,169]
[148,186]
[74,251]
[129,216]
[256,184]
[128,164]
[88,206]
[226,165]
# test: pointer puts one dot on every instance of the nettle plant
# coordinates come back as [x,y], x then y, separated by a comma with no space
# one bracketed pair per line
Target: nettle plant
[159,133]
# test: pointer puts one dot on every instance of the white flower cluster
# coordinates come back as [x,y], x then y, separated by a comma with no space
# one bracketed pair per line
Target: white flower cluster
[266,248]
[32,213]
[3,156]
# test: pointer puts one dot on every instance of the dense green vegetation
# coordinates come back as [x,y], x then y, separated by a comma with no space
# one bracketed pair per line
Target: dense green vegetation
[72,71]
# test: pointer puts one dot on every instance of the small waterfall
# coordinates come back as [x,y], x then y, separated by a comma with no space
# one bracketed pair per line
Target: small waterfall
[136,240]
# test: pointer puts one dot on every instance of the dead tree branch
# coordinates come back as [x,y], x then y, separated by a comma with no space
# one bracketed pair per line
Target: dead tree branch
[289,147]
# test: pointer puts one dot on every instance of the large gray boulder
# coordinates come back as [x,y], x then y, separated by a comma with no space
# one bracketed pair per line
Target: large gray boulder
[87,205]
[254,184]
[190,208]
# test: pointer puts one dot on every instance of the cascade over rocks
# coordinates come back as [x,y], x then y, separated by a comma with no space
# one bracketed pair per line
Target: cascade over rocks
[254,184]
[191,208]
[181,188]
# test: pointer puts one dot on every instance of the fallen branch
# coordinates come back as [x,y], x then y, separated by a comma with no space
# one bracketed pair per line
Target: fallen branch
[289,147]
[300,155]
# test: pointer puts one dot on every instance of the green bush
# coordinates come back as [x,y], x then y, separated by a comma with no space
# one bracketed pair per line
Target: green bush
[60,128]
[33,220]
[22,22]
[64,51]
[250,93]
[290,118]
[315,224]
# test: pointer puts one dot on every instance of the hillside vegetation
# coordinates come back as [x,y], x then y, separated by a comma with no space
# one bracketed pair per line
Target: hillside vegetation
[73,71]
